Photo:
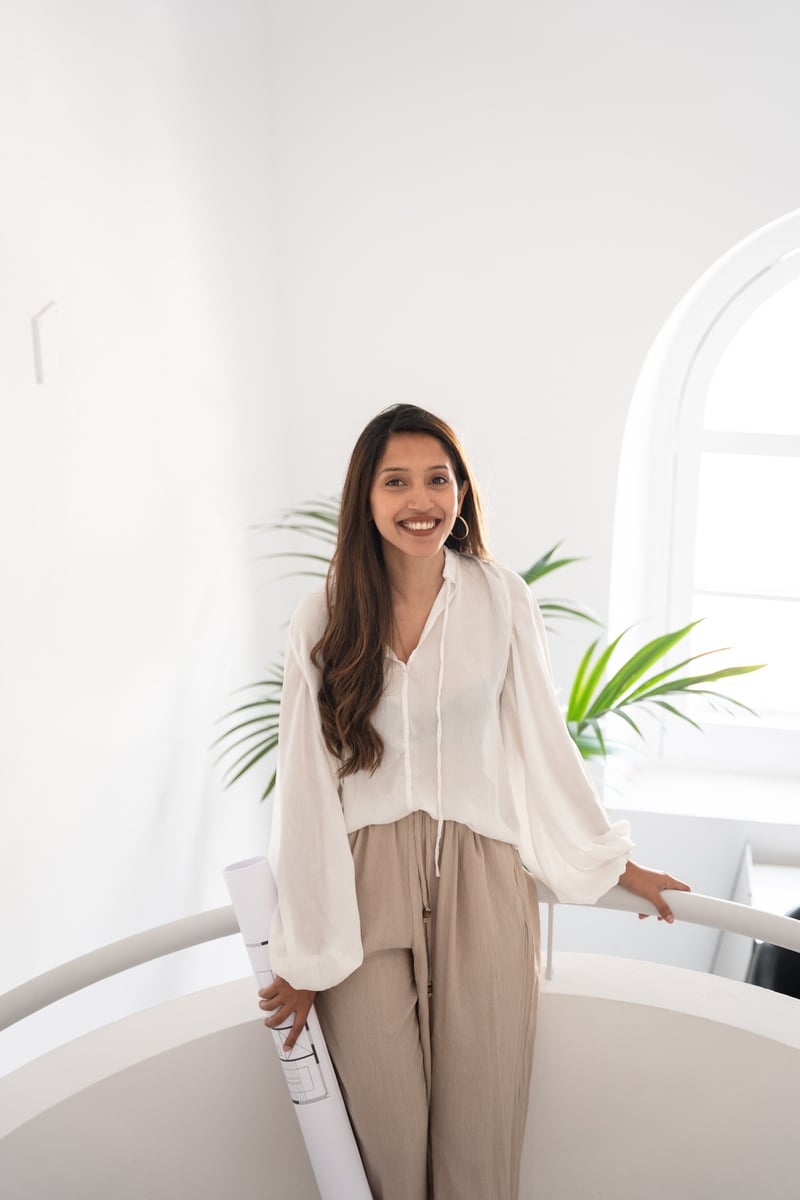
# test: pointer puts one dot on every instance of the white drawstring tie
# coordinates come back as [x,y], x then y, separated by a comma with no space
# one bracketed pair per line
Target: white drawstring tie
[440,826]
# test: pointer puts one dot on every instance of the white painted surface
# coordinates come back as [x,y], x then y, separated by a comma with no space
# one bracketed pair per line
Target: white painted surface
[634,1100]
[184,1099]
[647,1080]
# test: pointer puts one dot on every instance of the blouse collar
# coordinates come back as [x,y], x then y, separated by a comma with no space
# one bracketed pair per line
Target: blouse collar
[451,565]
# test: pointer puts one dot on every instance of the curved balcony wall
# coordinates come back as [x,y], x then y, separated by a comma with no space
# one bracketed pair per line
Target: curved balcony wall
[647,1080]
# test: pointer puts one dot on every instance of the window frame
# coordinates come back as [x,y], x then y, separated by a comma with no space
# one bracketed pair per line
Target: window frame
[653,545]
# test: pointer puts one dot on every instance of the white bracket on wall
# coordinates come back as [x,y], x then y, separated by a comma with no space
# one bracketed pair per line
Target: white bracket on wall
[548,970]
[732,953]
[47,344]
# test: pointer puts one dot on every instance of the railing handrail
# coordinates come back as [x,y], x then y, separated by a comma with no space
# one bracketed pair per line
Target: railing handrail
[35,994]
[694,909]
[28,998]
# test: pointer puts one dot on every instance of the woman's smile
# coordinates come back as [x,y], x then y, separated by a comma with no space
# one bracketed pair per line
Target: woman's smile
[419,527]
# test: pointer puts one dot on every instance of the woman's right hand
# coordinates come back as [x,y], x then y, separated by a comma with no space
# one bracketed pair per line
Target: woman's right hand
[283,1000]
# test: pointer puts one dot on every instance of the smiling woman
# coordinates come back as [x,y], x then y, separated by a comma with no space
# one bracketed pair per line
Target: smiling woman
[426,778]
[389,575]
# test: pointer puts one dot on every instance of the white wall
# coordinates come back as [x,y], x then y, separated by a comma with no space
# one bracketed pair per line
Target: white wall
[134,195]
[493,208]
[262,223]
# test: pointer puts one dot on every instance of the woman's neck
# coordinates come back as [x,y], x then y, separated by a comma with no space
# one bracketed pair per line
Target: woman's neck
[414,579]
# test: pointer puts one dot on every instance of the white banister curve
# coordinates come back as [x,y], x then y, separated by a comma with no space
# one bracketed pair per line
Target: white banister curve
[109,960]
[691,907]
[695,909]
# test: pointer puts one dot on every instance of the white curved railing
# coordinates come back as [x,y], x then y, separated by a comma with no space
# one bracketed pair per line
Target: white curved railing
[694,909]
[132,951]
[690,907]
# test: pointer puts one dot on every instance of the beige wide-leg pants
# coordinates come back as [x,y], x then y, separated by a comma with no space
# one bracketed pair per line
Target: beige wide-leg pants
[432,1037]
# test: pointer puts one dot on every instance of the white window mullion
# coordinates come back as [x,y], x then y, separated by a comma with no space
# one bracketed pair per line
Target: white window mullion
[776,444]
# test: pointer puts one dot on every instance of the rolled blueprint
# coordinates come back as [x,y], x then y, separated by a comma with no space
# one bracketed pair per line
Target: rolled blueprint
[307,1068]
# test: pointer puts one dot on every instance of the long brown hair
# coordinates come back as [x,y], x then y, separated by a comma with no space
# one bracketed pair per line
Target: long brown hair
[350,653]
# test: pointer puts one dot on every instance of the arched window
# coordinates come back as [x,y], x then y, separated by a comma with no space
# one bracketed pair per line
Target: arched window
[709,498]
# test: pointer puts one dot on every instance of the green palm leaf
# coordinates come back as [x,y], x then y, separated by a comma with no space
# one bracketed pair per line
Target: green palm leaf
[676,712]
[635,667]
[620,712]
[569,609]
[544,565]
[689,681]
[621,694]
[263,735]
[589,683]
[671,671]
[577,692]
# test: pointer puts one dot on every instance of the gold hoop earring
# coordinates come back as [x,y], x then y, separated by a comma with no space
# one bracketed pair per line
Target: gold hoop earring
[465,534]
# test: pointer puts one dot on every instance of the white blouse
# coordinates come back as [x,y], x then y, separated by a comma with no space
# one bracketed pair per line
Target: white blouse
[472,732]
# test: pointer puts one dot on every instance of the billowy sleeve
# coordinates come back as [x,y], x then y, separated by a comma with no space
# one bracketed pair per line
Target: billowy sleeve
[315,938]
[566,838]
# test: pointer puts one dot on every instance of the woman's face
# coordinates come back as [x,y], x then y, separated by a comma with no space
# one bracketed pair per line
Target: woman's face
[415,497]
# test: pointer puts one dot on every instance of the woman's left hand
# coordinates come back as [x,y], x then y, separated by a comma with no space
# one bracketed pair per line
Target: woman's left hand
[649,885]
